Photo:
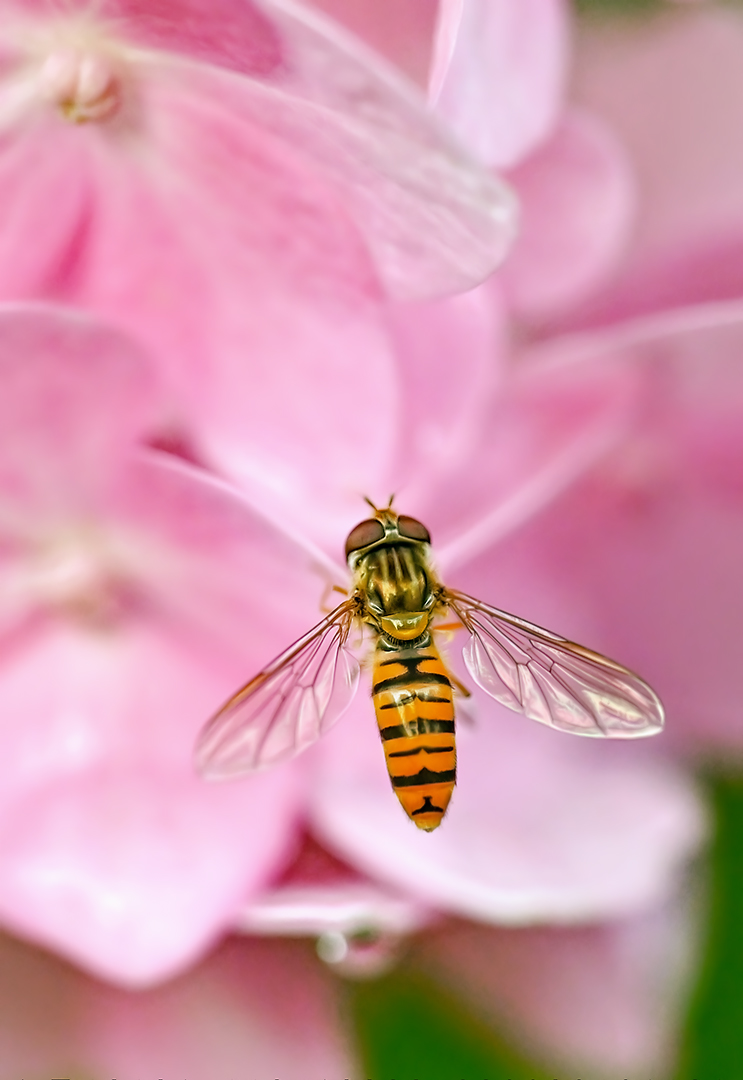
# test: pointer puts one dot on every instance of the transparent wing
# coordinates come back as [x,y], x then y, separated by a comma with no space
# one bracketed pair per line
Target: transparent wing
[287,706]
[552,680]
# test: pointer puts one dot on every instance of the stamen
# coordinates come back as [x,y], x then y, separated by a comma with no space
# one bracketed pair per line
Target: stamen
[84,85]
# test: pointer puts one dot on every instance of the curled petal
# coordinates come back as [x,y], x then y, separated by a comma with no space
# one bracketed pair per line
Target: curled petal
[498,72]
[347,908]
[433,219]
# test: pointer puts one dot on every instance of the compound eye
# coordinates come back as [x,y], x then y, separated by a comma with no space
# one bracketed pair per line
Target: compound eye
[365,533]
[412,529]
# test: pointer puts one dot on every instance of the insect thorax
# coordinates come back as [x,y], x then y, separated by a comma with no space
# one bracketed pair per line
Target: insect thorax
[395,578]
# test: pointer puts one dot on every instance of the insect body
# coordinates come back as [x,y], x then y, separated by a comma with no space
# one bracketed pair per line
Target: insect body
[411,688]
[397,595]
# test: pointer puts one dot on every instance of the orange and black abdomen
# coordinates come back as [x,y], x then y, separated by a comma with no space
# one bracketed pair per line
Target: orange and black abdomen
[415,712]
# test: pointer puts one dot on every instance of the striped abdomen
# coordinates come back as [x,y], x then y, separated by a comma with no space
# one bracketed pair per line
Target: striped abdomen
[413,701]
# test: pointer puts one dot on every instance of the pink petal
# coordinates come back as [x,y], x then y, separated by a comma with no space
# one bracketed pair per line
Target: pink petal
[351,908]
[97,753]
[598,1000]
[29,267]
[131,872]
[206,564]
[498,73]
[403,33]
[433,220]
[254,1008]
[577,199]
[541,827]
[451,355]
[312,303]
[76,394]
[221,352]
[235,34]
[99,795]
[265,1008]
[670,92]
[642,560]
[546,426]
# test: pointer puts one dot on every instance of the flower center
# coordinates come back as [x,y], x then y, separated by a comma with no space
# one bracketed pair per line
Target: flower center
[83,84]
[74,576]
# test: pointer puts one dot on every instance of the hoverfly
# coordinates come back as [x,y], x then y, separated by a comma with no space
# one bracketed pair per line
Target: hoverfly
[302,693]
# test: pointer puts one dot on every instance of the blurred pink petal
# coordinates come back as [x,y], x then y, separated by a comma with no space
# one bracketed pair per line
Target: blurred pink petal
[239,35]
[451,399]
[577,199]
[531,441]
[255,1005]
[642,557]
[252,1006]
[541,828]
[670,90]
[345,908]
[602,1000]
[498,73]
[75,398]
[210,566]
[403,33]
[49,203]
[132,872]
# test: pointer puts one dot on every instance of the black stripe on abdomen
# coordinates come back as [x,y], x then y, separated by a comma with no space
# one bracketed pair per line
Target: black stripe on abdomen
[420,750]
[425,776]
[412,677]
[423,726]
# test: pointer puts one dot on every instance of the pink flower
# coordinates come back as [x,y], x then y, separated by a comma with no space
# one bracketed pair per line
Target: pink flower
[242,188]
[198,204]
[147,591]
